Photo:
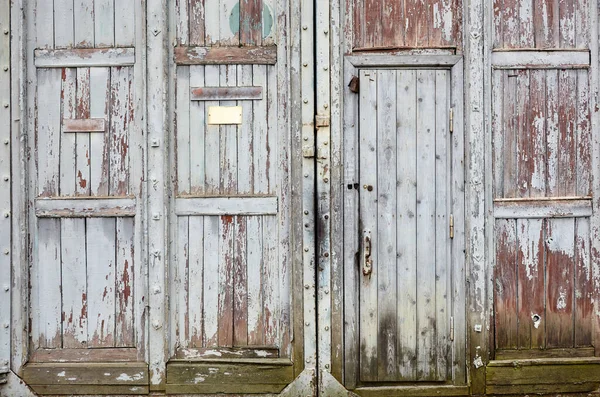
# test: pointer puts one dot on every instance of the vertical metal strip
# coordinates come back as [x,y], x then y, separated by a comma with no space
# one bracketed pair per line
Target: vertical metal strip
[158,130]
[5,202]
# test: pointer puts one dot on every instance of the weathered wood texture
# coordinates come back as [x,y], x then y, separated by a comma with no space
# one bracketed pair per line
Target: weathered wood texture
[389,24]
[405,303]
[86,23]
[225,23]
[541,24]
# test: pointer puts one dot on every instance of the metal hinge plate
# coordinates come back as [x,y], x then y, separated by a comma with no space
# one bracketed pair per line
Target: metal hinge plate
[451,120]
[451,328]
[451,226]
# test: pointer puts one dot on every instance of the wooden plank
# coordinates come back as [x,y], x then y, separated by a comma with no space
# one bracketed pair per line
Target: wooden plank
[544,353]
[125,332]
[227,35]
[183,127]
[195,288]
[211,281]
[64,23]
[531,320]
[553,208]
[196,22]
[583,134]
[219,388]
[226,55]
[225,286]
[182,21]
[100,244]
[44,23]
[197,139]
[46,302]
[546,24]
[83,355]
[234,353]
[505,297]
[391,36]
[526,27]
[583,326]
[82,140]
[567,150]
[537,138]
[125,21]
[226,206]
[498,117]
[270,280]
[261,184]
[426,192]
[582,23]
[83,208]
[211,141]
[566,24]
[552,131]
[48,132]
[382,61]
[412,391]
[74,287]
[251,26]
[84,23]
[368,204]
[119,126]
[549,389]
[84,57]
[104,23]
[406,224]
[77,374]
[524,138]
[386,225]
[245,136]
[254,232]
[560,257]
[99,143]
[227,133]
[67,142]
[240,283]
[180,331]
[89,390]
[84,125]
[373,23]
[548,362]
[269,371]
[510,134]
[540,59]
[543,374]
[226,93]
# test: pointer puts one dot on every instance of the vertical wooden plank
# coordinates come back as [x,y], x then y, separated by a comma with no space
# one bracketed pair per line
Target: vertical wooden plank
[560,260]
[199,136]
[44,15]
[240,283]
[510,135]
[48,131]
[194,287]
[212,20]
[524,137]
[254,246]
[125,331]
[373,27]
[120,84]
[99,142]
[261,184]
[48,288]
[368,204]
[546,24]
[211,281]
[582,23]
[359,29]
[270,281]
[125,20]
[197,22]
[391,30]
[505,298]
[183,21]
[584,295]
[442,214]
[567,23]
[583,135]
[426,344]
[498,18]
[82,169]
[552,132]
[245,141]
[272,148]
[530,284]
[251,22]
[511,28]
[212,139]
[227,37]
[101,247]
[104,24]
[498,106]
[68,156]
[228,137]
[526,28]
[537,128]
[74,288]
[181,316]
[63,24]
[84,23]
[386,225]
[567,152]
[183,127]
[406,232]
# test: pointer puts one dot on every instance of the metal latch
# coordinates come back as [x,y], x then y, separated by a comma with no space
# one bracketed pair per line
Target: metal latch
[451,120]
[322,121]
[368,262]
[308,151]
[451,226]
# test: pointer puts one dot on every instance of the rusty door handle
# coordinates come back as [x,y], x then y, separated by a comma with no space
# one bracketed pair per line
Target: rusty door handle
[367,261]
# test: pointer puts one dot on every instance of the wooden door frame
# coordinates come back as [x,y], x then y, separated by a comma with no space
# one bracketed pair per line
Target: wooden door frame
[351,237]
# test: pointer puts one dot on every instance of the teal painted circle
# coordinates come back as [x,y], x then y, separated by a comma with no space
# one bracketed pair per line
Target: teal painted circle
[267,20]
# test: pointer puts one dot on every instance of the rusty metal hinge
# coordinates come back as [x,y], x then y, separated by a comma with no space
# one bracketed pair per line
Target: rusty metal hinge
[451,226]
[451,328]
[451,120]
[321,121]
[354,85]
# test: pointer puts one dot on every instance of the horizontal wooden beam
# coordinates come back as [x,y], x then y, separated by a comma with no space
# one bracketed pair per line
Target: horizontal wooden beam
[226,93]
[85,207]
[84,57]
[84,125]
[403,60]
[88,374]
[540,59]
[413,391]
[227,353]
[544,353]
[530,209]
[118,354]
[89,390]
[226,55]
[226,206]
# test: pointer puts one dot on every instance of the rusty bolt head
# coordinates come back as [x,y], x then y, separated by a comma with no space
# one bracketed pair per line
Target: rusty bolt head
[5,31]
[6,68]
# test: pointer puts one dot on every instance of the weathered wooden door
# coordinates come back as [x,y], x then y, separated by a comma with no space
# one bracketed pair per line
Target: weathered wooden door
[408,197]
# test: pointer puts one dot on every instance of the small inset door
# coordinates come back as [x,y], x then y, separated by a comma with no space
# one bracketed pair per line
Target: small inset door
[406,225]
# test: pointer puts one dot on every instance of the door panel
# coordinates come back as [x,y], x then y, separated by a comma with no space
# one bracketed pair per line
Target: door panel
[405,199]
